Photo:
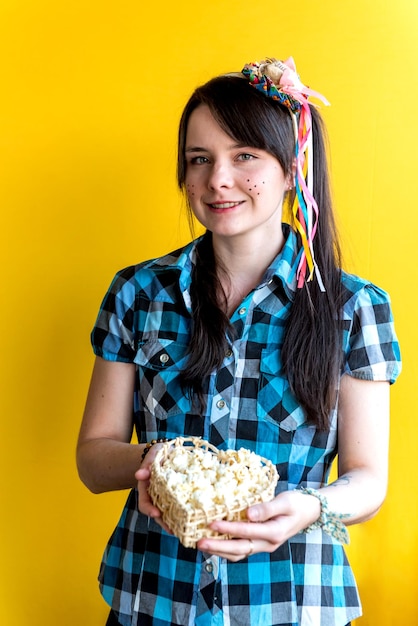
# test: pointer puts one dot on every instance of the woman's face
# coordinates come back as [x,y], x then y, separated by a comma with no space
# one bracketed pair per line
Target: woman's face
[232,189]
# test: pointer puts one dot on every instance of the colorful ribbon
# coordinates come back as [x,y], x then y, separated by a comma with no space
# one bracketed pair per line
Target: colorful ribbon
[280,81]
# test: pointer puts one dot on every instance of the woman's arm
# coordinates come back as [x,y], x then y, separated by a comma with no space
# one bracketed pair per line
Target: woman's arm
[363,449]
[363,439]
[106,459]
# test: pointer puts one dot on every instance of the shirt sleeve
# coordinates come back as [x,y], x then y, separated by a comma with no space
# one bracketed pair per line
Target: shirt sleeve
[371,346]
[113,335]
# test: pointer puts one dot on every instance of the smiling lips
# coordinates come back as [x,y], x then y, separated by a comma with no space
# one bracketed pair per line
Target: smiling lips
[216,206]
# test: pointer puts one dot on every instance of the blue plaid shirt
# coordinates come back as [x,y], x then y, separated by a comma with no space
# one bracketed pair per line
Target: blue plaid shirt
[147,576]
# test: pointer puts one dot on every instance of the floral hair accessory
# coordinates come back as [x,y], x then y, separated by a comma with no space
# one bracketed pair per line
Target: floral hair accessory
[280,81]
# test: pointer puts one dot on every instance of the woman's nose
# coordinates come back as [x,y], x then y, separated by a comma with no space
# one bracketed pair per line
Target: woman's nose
[220,176]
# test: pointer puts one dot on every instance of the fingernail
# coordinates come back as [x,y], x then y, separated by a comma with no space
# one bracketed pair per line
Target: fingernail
[253,514]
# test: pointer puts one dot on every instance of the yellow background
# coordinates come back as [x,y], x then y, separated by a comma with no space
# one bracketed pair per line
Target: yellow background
[91,92]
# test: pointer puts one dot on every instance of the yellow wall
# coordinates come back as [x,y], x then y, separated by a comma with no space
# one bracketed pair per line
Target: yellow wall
[90,97]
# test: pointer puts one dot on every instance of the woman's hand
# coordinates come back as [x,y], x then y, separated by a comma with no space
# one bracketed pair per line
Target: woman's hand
[269,525]
[145,504]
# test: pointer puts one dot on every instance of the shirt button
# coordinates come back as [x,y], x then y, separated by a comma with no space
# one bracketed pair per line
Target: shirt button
[209,568]
[242,310]
[228,353]
[164,358]
[220,404]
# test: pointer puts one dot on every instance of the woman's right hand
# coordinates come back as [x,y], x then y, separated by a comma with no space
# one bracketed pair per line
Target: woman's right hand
[145,505]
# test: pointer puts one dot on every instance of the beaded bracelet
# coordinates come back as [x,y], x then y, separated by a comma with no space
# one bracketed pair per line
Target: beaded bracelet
[329,521]
[149,445]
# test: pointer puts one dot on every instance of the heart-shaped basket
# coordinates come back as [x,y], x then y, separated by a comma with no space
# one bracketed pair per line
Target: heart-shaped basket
[193,483]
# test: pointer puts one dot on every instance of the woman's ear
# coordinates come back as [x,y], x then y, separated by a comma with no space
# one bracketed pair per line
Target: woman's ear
[291,177]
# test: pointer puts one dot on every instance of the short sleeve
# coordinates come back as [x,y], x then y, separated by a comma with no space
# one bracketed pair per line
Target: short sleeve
[112,337]
[371,346]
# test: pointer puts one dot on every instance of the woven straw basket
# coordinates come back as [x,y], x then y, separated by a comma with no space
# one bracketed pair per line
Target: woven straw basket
[189,523]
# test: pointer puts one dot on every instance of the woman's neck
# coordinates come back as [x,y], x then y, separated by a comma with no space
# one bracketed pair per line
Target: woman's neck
[243,264]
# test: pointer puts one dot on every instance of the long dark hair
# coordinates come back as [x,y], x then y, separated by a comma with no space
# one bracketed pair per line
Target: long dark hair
[311,353]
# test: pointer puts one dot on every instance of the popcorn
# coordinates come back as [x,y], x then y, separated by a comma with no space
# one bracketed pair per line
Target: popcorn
[193,483]
[205,479]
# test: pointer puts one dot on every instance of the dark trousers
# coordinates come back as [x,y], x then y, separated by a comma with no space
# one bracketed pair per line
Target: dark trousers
[112,621]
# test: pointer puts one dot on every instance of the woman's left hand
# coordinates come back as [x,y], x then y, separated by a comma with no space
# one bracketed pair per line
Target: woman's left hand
[269,525]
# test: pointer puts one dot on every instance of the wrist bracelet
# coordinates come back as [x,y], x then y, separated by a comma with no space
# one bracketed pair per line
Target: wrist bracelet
[329,521]
[149,445]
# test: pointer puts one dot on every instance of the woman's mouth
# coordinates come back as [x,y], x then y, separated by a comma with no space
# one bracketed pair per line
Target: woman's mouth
[217,206]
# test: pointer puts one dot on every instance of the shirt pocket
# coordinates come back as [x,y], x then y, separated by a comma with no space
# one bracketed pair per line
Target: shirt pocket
[275,402]
[160,362]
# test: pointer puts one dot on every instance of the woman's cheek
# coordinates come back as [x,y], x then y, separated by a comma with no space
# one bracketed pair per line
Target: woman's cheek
[190,190]
[254,186]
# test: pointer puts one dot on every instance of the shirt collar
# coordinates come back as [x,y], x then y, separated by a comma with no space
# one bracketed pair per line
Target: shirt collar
[283,267]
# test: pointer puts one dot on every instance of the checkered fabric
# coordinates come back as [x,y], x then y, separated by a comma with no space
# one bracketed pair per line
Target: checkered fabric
[147,576]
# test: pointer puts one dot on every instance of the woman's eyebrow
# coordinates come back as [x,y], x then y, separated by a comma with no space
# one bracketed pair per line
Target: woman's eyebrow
[233,146]
[196,149]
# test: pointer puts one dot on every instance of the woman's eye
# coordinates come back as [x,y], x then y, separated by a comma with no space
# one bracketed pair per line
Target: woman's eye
[199,160]
[245,156]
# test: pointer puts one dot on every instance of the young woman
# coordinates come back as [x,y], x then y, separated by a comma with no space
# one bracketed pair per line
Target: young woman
[250,336]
